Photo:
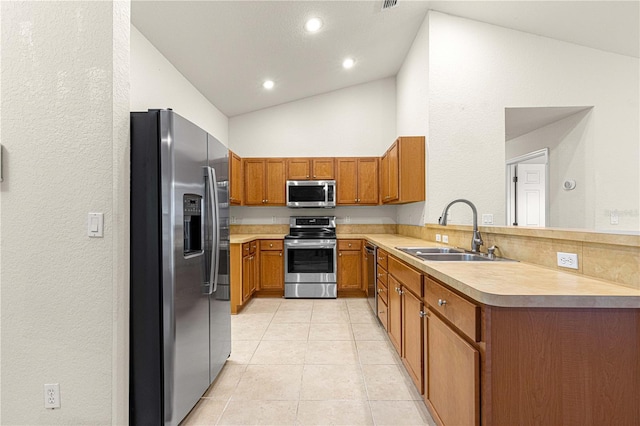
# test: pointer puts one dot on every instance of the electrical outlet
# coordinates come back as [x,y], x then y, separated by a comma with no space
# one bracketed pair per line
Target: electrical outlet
[274,219]
[233,219]
[445,238]
[567,260]
[487,219]
[438,237]
[614,217]
[347,219]
[52,395]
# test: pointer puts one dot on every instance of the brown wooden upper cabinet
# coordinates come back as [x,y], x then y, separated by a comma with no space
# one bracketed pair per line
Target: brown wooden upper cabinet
[357,181]
[402,171]
[235,179]
[264,181]
[310,169]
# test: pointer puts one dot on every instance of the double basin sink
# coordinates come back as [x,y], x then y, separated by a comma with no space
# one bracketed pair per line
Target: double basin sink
[445,254]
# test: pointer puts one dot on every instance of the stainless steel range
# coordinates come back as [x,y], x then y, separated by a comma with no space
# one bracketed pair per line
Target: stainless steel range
[310,257]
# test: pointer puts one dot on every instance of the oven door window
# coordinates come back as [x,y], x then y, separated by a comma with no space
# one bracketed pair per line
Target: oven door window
[303,194]
[310,261]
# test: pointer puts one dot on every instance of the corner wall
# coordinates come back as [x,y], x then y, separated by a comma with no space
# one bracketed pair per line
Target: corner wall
[64,306]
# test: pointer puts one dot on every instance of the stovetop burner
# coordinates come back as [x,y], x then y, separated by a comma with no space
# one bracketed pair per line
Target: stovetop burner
[312,227]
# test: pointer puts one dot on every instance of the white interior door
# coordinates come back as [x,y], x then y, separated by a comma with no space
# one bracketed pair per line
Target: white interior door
[531,194]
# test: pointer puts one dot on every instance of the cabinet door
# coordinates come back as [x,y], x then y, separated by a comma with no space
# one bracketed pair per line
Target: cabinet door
[255,271]
[323,168]
[271,270]
[298,169]
[235,179]
[393,172]
[275,182]
[349,270]
[394,315]
[247,277]
[254,172]
[454,378]
[412,324]
[384,177]
[346,181]
[368,181]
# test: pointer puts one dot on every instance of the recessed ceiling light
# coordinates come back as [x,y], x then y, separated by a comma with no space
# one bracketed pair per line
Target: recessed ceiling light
[348,63]
[313,25]
[268,84]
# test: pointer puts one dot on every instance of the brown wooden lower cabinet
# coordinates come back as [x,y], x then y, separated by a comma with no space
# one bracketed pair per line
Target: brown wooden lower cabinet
[271,265]
[499,366]
[453,385]
[350,265]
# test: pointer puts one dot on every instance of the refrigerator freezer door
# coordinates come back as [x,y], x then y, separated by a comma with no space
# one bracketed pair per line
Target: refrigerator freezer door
[219,306]
[185,299]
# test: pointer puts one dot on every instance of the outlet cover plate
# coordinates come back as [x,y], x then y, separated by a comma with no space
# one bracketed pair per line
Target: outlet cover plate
[567,260]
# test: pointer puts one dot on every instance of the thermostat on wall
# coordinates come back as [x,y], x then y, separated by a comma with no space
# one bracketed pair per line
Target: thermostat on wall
[569,184]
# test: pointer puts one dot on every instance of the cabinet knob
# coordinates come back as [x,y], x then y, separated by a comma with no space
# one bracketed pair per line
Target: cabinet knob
[349,244]
[308,176]
[423,314]
[381,312]
[280,254]
[339,254]
[379,290]
[313,176]
[266,201]
[358,199]
[380,275]
[442,302]
[270,244]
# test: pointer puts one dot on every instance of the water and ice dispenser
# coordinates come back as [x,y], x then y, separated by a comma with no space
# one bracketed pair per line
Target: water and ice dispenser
[192,208]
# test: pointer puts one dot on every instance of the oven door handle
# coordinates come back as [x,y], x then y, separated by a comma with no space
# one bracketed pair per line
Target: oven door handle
[309,244]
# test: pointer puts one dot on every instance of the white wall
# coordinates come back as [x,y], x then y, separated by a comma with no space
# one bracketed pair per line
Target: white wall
[412,106]
[156,83]
[476,70]
[64,306]
[356,121]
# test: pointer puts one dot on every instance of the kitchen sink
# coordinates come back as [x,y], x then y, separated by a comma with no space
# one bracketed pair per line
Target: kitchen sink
[417,251]
[454,257]
[447,254]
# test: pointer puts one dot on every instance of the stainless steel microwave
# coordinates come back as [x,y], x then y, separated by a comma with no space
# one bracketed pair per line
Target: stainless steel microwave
[311,193]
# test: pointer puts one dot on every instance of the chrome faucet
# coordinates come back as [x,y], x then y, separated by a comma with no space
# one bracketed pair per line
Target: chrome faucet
[476,241]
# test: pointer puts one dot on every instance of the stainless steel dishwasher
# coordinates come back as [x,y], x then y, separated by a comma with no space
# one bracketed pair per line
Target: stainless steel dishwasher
[371,252]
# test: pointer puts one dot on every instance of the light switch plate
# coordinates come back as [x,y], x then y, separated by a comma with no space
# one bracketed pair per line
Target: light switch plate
[95,225]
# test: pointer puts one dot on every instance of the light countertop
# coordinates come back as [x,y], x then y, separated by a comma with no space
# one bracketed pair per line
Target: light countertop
[508,284]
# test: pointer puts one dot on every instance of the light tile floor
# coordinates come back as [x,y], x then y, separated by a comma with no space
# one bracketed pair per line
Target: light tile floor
[310,362]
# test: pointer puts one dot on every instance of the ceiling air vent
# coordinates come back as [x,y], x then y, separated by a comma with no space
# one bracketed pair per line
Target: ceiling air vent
[388,4]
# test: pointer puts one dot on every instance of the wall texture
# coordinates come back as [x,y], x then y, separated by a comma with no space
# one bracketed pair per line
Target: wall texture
[476,70]
[64,306]
[156,83]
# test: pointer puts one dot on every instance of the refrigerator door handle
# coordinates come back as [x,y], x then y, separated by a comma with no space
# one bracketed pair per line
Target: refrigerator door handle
[215,237]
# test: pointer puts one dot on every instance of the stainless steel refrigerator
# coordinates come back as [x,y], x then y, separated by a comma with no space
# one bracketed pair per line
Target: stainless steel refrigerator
[180,332]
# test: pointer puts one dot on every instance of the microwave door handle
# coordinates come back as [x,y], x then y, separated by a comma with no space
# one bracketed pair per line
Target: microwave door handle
[215,234]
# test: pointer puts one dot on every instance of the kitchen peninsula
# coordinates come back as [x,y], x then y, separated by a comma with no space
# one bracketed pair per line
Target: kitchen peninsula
[515,342]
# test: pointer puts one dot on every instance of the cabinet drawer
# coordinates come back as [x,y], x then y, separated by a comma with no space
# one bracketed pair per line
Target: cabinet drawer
[271,245]
[383,311]
[349,244]
[381,273]
[382,258]
[407,276]
[459,311]
[382,291]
